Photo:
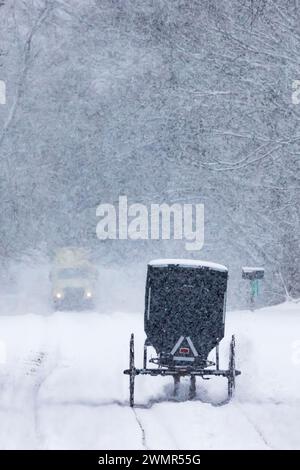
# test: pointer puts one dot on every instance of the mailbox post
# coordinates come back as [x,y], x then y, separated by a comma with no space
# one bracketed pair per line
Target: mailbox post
[2,89]
[253,275]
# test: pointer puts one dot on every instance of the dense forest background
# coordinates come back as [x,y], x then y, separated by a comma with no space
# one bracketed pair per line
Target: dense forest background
[170,101]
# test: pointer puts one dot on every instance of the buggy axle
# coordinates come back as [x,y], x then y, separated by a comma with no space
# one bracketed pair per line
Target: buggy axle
[181,373]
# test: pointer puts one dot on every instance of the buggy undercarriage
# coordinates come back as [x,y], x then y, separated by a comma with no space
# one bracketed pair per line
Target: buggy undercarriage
[179,371]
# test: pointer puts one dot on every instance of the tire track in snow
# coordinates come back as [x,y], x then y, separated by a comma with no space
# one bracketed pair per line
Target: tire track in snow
[38,370]
[20,390]
[254,425]
[19,397]
[121,404]
[142,429]
[38,404]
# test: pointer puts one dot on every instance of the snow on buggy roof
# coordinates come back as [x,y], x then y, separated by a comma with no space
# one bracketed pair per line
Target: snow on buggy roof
[187,263]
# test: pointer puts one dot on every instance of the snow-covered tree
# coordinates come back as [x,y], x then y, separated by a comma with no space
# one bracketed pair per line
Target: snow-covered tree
[165,101]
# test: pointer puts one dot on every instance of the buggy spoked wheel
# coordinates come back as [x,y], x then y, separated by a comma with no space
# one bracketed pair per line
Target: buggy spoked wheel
[192,391]
[132,371]
[231,369]
[176,385]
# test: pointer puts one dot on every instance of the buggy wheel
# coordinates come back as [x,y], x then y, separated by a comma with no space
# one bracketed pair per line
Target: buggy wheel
[192,391]
[231,369]
[132,371]
[145,355]
[176,385]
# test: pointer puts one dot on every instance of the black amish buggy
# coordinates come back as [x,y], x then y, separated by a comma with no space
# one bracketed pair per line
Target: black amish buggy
[184,321]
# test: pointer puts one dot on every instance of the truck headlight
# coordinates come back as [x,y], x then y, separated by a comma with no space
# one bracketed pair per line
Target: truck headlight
[88,294]
[58,295]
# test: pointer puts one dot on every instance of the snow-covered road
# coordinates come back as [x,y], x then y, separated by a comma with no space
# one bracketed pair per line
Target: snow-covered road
[62,386]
